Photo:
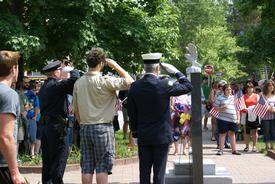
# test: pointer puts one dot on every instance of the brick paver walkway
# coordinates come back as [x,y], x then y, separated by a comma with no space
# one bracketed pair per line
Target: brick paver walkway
[247,168]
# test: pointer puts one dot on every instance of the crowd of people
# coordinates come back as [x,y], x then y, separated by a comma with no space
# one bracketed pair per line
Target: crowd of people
[28,137]
[240,110]
[42,117]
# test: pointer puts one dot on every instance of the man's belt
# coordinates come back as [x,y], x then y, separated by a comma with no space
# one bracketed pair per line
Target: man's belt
[53,119]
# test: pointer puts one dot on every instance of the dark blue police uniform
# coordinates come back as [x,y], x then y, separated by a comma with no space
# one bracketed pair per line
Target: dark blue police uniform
[149,113]
[54,111]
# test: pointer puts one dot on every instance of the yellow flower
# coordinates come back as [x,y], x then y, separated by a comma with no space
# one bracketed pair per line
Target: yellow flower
[184,117]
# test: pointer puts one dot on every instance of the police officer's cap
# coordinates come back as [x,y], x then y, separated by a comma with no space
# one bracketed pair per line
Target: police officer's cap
[53,65]
[151,58]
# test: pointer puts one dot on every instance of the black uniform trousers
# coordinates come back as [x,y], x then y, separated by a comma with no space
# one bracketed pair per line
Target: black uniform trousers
[55,150]
[152,155]
[5,176]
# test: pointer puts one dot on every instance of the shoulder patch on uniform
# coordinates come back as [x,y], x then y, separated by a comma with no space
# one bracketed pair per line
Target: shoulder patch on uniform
[170,83]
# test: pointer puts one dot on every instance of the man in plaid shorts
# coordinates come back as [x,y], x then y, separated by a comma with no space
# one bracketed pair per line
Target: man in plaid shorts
[94,99]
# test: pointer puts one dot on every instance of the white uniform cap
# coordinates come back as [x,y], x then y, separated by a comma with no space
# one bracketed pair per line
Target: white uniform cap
[151,58]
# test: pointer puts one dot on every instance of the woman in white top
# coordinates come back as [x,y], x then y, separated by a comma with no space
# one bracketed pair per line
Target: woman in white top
[250,126]
[268,121]
[227,119]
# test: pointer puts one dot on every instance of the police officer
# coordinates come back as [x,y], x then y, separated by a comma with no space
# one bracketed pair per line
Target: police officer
[54,111]
[149,113]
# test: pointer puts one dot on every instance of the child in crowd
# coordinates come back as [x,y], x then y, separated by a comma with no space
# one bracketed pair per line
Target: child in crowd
[181,115]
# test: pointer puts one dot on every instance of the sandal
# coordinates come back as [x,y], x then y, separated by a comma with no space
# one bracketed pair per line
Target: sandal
[254,149]
[246,149]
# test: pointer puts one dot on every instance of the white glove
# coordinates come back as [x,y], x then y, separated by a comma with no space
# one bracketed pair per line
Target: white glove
[169,68]
[67,68]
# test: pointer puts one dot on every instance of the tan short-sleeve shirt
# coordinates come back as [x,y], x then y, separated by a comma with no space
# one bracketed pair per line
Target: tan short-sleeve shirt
[94,97]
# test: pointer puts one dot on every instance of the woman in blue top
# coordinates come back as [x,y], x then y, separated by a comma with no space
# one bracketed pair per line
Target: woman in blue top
[32,116]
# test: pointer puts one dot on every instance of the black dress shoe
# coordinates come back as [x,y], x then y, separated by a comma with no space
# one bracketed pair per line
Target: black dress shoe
[236,153]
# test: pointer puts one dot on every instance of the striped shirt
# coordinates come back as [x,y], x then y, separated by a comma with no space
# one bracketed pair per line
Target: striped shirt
[270,101]
[230,113]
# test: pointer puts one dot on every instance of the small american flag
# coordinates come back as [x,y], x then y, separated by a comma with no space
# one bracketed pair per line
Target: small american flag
[118,105]
[239,101]
[261,108]
[214,112]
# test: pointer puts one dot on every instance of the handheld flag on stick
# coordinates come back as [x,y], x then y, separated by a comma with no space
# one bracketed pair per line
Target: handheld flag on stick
[239,101]
[214,112]
[261,108]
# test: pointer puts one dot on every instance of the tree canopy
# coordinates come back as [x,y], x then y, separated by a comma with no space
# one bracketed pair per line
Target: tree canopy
[229,34]
[44,30]
[256,36]
[204,23]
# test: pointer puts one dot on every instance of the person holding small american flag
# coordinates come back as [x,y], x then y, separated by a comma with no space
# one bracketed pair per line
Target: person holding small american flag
[250,125]
[214,93]
[227,118]
[265,109]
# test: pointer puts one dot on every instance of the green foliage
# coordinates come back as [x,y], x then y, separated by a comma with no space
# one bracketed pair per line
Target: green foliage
[43,30]
[27,160]
[257,37]
[122,33]
[129,30]
[204,23]
[13,36]
[121,151]
[222,53]
[164,31]
[74,156]
[261,146]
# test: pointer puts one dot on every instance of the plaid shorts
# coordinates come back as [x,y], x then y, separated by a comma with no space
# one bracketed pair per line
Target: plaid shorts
[96,148]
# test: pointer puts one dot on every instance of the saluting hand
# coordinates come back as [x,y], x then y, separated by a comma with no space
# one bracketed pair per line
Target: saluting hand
[169,68]
[111,63]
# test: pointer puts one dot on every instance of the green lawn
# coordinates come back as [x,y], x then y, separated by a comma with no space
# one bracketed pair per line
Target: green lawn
[261,146]
[122,151]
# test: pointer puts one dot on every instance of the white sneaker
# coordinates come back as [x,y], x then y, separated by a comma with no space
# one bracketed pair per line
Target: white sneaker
[190,151]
